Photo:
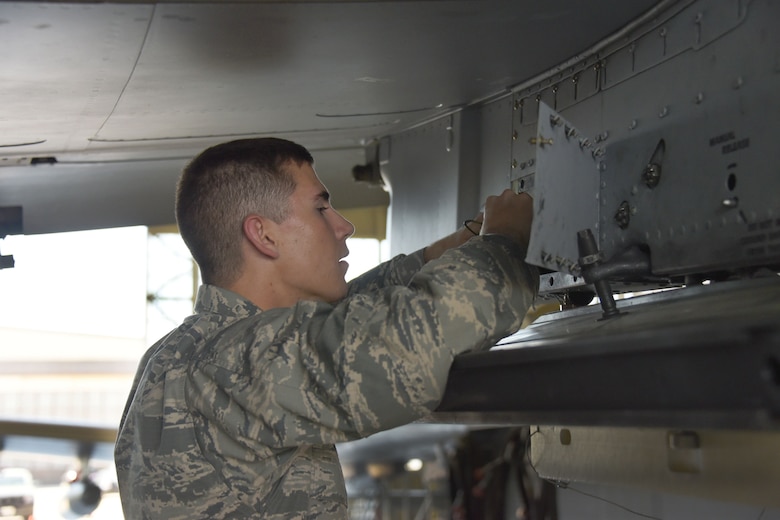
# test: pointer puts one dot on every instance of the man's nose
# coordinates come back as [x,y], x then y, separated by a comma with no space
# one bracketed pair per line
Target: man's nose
[345,227]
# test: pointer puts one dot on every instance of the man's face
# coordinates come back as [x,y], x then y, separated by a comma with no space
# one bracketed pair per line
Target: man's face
[313,241]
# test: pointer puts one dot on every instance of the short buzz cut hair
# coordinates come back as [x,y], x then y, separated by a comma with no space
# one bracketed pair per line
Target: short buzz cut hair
[221,187]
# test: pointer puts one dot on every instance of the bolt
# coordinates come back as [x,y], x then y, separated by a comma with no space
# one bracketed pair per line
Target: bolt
[623,215]
[652,175]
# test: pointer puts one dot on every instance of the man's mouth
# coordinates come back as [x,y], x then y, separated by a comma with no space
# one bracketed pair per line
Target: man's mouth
[344,264]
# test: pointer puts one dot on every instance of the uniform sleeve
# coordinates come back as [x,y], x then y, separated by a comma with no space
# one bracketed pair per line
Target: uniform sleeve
[376,360]
[397,350]
[396,271]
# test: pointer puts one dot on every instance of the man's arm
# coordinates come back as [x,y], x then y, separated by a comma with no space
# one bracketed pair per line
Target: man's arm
[507,214]
[400,269]
[453,240]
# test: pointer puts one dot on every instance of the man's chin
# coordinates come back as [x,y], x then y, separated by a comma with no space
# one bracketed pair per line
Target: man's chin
[340,295]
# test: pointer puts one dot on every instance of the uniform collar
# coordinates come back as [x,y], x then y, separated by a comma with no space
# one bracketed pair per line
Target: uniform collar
[213,299]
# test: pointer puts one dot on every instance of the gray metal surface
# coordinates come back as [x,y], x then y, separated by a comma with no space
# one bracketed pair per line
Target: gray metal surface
[422,167]
[686,97]
[740,465]
[565,192]
[716,204]
[90,83]
[700,357]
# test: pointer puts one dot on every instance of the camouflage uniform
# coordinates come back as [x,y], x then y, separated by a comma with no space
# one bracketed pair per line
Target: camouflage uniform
[235,413]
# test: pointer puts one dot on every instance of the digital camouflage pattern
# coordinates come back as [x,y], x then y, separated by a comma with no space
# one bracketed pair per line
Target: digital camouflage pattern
[235,413]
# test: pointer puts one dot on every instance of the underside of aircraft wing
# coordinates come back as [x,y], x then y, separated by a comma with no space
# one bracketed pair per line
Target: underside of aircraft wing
[105,102]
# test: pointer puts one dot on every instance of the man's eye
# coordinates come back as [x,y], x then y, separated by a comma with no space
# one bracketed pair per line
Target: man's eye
[322,209]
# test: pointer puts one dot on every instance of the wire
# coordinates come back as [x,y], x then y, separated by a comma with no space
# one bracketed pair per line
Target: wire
[565,485]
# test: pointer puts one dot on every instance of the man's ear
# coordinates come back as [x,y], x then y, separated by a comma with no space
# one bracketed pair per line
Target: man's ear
[260,232]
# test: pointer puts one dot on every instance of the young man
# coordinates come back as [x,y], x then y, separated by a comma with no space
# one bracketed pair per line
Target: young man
[235,413]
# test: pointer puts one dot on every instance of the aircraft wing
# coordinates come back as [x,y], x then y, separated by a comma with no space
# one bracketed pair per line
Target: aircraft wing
[105,102]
